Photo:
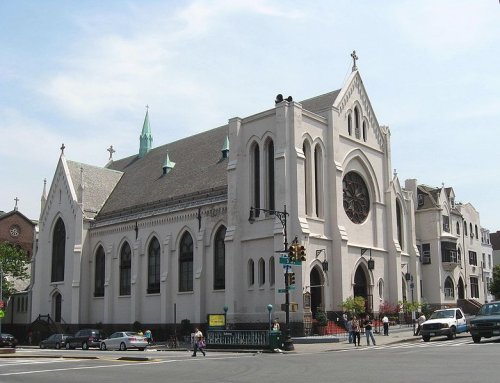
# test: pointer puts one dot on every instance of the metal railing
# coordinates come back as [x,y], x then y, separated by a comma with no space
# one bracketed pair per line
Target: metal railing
[237,338]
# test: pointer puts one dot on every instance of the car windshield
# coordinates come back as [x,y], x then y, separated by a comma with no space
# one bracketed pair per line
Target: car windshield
[490,309]
[443,314]
[131,334]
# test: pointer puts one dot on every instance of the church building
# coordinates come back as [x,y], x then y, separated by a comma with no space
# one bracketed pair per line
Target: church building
[165,235]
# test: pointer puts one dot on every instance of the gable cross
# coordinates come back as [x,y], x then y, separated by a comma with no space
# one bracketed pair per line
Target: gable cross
[17,200]
[111,151]
[354,58]
[62,148]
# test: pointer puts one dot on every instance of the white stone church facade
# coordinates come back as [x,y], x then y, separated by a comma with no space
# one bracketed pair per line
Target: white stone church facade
[164,235]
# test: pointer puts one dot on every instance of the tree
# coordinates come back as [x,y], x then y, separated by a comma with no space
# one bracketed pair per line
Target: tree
[14,264]
[354,305]
[495,284]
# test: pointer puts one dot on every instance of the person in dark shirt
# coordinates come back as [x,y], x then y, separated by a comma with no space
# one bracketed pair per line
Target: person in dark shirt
[369,331]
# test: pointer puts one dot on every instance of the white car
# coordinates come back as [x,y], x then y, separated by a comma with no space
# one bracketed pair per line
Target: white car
[123,340]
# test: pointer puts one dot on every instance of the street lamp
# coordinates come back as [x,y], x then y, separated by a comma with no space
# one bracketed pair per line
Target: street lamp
[281,215]
[412,285]
[371,262]
[225,316]
[270,309]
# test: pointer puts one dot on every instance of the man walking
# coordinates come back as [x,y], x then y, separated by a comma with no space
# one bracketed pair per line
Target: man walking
[368,331]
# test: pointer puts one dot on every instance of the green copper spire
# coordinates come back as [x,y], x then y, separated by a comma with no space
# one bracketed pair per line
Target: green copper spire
[225,148]
[168,165]
[146,139]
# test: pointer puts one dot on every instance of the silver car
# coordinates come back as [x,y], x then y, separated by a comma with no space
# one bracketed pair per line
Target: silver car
[123,340]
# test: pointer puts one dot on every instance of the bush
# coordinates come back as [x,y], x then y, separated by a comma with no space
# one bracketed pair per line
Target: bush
[321,318]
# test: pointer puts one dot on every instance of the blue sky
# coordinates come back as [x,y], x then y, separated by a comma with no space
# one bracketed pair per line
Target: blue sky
[81,72]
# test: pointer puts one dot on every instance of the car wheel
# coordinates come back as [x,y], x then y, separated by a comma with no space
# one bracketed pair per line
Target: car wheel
[41,346]
[476,339]
[85,346]
[58,346]
[68,346]
[426,338]
[453,333]
[103,346]
[122,346]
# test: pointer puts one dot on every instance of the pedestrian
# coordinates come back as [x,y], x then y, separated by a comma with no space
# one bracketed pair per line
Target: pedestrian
[368,330]
[276,325]
[356,330]
[199,342]
[349,330]
[420,320]
[385,322]
[149,336]
[344,320]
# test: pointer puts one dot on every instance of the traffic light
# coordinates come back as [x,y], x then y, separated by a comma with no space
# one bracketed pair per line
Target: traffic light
[292,279]
[302,253]
[292,253]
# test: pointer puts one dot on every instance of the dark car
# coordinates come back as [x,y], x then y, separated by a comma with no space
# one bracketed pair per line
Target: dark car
[54,341]
[7,340]
[85,338]
[486,323]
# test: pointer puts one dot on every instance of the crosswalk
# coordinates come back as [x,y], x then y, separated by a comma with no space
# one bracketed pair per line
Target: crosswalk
[458,342]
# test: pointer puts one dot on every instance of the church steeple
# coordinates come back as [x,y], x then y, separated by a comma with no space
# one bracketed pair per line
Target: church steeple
[146,139]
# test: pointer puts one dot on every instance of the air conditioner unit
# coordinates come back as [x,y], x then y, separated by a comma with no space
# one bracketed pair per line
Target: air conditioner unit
[426,259]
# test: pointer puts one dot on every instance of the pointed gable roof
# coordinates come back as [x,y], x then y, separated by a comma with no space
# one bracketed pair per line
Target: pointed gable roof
[199,170]
[98,183]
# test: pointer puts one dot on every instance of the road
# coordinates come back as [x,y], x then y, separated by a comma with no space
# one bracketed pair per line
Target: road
[445,361]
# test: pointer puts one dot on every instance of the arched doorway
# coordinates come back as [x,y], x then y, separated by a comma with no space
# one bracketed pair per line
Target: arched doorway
[361,287]
[461,289]
[316,280]
[56,307]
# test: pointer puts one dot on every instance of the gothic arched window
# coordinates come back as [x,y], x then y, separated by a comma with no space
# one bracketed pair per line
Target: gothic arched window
[271,271]
[270,174]
[58,251]
[125,269]
[251,273]
[318,180]
[186,263]
[262,272]
[356,123]
[399,223]
[100,268]
[449,288]
[220,259]
[356,197]
[349,125]
[255,177]
[306,148]
[154,267]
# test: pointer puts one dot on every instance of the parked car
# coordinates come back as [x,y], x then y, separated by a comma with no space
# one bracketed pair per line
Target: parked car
[54,341]
[447,322]
[7,340]
[85,338]
[487,322]
[123,340]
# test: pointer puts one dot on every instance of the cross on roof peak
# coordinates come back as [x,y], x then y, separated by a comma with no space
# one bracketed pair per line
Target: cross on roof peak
[354,58]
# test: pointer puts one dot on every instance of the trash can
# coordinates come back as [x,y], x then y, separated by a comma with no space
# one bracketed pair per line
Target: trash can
[275,340]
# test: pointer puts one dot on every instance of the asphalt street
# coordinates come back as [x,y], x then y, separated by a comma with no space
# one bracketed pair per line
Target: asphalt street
[407,359]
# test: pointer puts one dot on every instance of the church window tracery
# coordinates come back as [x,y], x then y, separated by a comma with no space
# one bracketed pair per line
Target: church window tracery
[356,197]
[125,269]
[220,259]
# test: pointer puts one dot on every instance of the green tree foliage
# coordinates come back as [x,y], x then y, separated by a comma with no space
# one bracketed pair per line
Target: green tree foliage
[354,305]
[14,264]
[495,284]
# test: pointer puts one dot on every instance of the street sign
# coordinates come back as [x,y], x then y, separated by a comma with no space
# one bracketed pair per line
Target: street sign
[281,290]
[290,288]
[286,261]
[2,313]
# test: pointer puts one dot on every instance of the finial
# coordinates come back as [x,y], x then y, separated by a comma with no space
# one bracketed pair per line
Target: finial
[17,200]
[395,173]
[354,58]
[62,148]
[111,151]
[147,107]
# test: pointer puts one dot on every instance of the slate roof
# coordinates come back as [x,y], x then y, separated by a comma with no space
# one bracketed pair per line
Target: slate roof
[98,183]
[199,168]
[320,103]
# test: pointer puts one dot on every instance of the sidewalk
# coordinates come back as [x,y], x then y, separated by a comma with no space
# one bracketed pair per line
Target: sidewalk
[331,343]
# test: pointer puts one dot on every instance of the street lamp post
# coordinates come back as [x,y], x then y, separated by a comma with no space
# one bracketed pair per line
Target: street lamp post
[281,215]
[270,309]
[412,285]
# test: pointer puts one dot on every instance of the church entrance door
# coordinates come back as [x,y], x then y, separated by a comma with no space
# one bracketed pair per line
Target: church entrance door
[316,290]
[461,289]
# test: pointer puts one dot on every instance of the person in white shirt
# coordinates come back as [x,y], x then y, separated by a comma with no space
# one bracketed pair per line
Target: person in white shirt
[385,322]
[420,320]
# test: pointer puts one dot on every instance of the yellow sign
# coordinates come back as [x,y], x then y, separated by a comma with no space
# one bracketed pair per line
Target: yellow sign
[2,313]
[216,320]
